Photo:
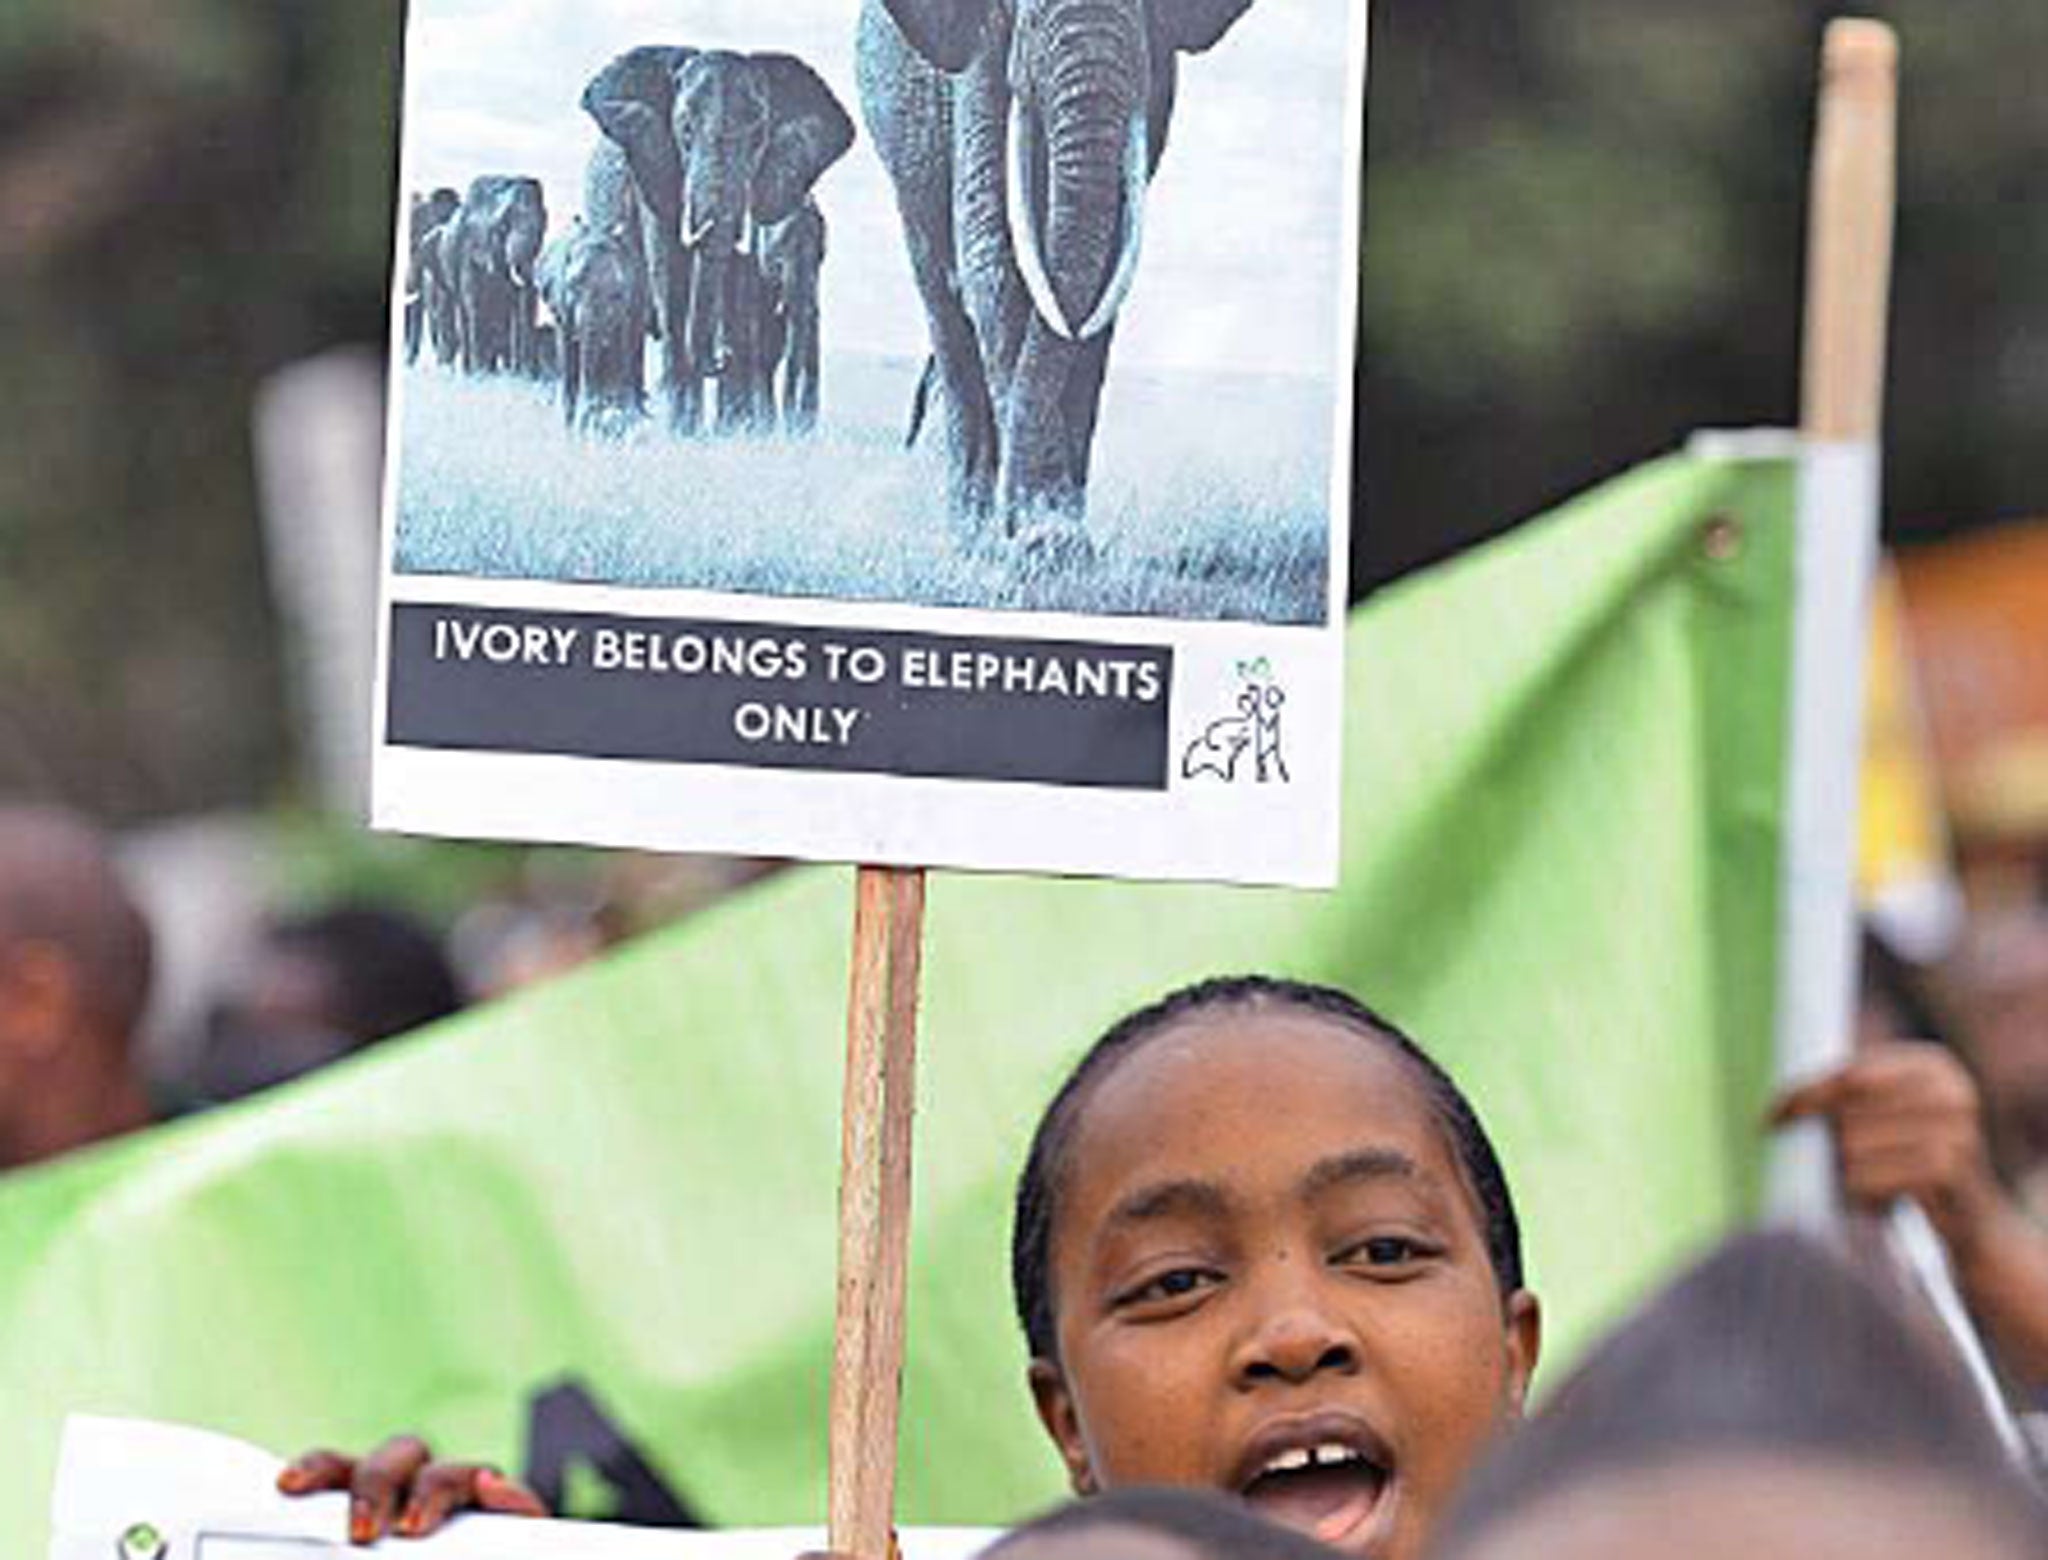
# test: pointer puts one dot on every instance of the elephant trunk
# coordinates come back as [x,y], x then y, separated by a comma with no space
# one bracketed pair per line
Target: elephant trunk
[666,270]
[710,343]
[1079,158]
[519,263]
[717,231]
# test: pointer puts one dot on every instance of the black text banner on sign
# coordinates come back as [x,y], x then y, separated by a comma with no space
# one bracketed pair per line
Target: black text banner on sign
[779,696]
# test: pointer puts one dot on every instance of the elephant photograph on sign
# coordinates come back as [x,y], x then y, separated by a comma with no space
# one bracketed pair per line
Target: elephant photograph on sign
[595,287]
[429,301]
[792,256]
[1040,305]
[497,238]
[1022,139]
[720,146]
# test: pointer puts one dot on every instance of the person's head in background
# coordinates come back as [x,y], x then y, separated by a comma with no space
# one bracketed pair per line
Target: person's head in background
[318,987]
[1154,1523]
[1262,1245]
[1770,1403]
[75,957]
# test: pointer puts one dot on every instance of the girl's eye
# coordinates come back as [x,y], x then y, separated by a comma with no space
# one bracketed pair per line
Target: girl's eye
[1175,1284]
[1386,1251]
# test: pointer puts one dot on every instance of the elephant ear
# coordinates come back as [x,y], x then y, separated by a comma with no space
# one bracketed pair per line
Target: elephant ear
[633,101]
[947,33]
[809,131]
[1193,26]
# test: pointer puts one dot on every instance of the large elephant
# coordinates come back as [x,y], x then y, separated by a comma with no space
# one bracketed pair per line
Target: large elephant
[497,238]
[592,283]
[792,257]
[610,205]
[718,145]
[1022,136]
[425,215]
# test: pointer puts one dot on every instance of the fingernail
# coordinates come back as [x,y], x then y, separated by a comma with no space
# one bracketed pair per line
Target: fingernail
[361,1528]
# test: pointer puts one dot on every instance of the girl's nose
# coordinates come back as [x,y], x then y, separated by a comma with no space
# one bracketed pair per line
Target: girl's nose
[1294,1343]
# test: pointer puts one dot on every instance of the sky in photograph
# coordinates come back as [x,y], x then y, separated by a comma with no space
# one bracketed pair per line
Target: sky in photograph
[1243,228]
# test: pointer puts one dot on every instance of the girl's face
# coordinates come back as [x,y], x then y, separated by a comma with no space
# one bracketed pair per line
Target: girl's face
[1269,1277]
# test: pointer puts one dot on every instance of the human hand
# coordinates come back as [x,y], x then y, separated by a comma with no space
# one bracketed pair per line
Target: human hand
[1908,1122]
[399,1488]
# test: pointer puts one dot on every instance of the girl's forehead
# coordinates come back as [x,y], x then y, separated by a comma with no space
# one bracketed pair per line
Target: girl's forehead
[1246,1087]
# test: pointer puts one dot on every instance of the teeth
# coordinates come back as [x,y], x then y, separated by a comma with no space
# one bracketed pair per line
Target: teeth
[1327,1455]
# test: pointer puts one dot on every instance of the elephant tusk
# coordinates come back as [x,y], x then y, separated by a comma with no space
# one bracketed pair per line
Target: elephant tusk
[1137,173]
[691,239]
[1024,241]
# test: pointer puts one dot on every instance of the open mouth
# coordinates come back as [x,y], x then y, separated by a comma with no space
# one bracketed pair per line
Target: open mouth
[1327,1488]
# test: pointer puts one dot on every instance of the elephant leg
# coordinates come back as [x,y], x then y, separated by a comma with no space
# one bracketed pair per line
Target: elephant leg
[970,414]
[611,355]
[909,107]
[521,349]
[572,375]
[1036,483]
[762,347]
[801,390]
[502,334]
[686,401]
[774,347]
[487,334]
[1081,406]
[634,371]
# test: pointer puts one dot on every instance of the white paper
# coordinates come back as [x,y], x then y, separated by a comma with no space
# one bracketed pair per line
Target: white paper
[211,1497]
[548,584]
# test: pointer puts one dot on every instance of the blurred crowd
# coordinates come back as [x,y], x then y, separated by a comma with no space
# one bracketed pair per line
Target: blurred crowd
[274,993]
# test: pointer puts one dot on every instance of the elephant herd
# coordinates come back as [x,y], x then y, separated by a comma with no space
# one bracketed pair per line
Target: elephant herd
[1020,136]
[699,231]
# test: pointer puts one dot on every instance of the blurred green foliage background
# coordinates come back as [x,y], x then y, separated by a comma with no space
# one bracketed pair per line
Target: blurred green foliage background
[1584,236]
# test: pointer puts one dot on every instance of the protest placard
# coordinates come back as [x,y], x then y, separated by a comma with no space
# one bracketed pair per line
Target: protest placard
[136,1489]
[762,474]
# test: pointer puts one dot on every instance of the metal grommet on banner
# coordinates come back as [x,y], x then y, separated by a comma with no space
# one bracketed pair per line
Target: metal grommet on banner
[1721,538]
[141,1541]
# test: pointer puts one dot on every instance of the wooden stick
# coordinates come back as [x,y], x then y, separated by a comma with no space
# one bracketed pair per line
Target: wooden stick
[874,1208]
[1848,274]
[1849,236]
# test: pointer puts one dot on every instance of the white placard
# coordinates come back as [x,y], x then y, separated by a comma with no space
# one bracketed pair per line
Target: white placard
[189,1494]
[947,480]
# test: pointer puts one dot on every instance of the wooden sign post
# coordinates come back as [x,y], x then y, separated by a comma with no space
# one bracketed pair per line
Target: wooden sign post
[874,1208]
[1849,238]
[1848,287]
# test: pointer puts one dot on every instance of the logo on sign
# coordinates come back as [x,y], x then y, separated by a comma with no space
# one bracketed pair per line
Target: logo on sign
[1244,745]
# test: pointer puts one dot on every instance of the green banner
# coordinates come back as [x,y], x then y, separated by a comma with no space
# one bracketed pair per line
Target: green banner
[600,1216]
